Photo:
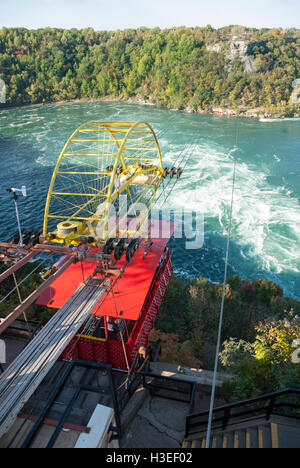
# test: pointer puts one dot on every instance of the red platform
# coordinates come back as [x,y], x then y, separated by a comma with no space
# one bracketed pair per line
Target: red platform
[130,291]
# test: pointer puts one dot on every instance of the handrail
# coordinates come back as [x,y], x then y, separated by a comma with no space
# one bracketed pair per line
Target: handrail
[191,393]
[252,400]
[225,420]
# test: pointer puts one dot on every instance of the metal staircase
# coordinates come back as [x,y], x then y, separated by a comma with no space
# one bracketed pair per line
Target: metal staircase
[258,436]
[269,421]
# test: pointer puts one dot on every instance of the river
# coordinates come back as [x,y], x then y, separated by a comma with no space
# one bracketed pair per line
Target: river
[265,239]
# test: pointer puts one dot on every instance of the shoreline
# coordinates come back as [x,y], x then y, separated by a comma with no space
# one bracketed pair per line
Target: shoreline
[257,114]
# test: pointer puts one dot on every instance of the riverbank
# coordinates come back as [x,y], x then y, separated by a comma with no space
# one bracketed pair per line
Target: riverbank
[256,113]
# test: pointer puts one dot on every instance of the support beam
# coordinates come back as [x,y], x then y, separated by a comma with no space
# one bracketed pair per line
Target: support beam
[49,248]
[11,248]
[17,266]
[32,297]
[54,423]
[54,248]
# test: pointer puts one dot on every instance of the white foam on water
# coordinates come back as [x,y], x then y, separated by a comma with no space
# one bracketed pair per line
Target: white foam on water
[266,218]
[287,119]
[13,125]
[43,160]
[26,119]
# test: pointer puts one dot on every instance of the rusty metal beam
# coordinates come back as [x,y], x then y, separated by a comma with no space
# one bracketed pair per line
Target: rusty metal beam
[87,256]
[52,248]
[54,423]
[5,323]
[17,265]
[14,247]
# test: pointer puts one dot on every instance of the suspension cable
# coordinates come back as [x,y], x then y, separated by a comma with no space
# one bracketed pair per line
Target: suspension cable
[20,299]
[180,162]
[121,334]
[21,282]
[165,128]
[211,408]
[90,322]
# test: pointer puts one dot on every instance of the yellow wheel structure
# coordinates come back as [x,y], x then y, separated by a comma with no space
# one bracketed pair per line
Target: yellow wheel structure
[100,162]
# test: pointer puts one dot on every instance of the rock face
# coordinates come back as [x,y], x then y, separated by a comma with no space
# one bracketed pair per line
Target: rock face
[240,48]
[213,48]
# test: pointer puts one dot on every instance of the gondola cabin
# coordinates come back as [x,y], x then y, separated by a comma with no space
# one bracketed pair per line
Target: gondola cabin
[123,319]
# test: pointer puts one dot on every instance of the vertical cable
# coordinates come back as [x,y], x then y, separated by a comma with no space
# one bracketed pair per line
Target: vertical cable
[221,320]
[20,299]
[121,334]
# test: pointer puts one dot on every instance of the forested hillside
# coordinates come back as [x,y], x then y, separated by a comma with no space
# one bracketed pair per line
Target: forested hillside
[184,68]
[260,326]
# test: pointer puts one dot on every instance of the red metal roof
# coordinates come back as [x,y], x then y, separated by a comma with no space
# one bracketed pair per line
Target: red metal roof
[129,292]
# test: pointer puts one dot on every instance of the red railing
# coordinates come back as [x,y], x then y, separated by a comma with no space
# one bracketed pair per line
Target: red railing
[151,308]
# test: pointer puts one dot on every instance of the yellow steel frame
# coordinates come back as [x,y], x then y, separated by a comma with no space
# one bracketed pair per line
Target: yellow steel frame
[130,141]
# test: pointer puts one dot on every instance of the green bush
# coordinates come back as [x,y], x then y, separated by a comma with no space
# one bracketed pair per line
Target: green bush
[266,365]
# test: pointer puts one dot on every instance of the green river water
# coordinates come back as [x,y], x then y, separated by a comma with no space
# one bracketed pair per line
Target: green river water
[266,214]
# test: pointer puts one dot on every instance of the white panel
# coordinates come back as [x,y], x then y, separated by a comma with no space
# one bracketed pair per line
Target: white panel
[99,424]
[2,352]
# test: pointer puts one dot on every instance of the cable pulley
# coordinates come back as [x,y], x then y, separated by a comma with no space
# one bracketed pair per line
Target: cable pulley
[131,249]
[172,172]
[179,172]
[120,248]
[29,237]
[109,245]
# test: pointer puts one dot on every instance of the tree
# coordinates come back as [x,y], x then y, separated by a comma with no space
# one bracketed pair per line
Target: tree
[267,365]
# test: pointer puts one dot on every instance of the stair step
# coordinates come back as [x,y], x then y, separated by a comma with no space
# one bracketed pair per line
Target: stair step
[239,439]
[217,441]
[274,435]
[228,440]
[196,444]
[252,438]
[261,435]
[186,444]
[260,438]
[265,436]
[289,436]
